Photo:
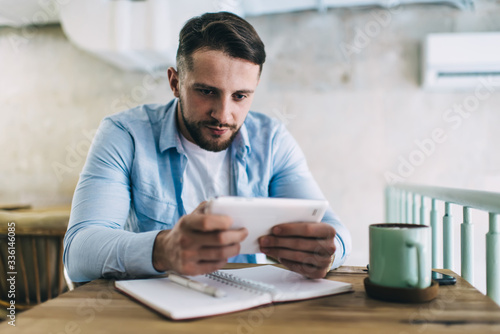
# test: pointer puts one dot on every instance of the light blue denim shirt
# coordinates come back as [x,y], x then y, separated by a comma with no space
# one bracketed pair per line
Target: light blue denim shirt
[131,185]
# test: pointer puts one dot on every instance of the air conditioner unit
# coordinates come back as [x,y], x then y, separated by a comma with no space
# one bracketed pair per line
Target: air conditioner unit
[461,60]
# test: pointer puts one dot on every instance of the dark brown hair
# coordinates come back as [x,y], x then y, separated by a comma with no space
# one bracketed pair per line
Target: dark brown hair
[221,31]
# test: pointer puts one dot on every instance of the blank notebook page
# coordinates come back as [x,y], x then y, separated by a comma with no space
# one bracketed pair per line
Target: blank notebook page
[290,285]
[179,302]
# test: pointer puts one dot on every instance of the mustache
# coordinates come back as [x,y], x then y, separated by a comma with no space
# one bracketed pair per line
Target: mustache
[216,124]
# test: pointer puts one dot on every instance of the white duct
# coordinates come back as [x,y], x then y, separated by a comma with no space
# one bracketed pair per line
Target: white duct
[133,35]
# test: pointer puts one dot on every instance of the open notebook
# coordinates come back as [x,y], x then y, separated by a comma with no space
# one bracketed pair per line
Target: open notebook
[244,288]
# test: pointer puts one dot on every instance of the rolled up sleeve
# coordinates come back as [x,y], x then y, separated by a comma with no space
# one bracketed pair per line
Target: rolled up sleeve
[96,244]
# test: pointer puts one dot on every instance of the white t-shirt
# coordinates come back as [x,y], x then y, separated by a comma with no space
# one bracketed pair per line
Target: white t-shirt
[207,175]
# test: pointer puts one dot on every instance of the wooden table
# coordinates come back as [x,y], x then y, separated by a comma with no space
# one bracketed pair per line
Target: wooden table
[97,307]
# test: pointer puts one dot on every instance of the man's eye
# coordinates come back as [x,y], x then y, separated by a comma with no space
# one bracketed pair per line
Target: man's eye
[206,91]
[239,96]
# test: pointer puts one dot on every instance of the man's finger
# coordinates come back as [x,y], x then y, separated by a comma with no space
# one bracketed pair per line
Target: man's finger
[206,223]
[200,209]
[298,256]
[219,253]
[324,247]
[219,238]
[304,229]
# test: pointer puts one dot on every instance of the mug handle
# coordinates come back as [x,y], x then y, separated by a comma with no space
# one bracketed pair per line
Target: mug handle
[420,262]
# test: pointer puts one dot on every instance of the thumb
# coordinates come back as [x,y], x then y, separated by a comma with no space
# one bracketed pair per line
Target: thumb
[200,209]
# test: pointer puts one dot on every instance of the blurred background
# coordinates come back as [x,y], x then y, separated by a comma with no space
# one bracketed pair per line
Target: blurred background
[354,81]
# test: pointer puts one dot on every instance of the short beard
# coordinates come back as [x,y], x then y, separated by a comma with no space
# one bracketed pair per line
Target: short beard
[194,130]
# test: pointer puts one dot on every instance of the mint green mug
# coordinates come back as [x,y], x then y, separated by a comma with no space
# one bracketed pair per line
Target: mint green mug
[400,255]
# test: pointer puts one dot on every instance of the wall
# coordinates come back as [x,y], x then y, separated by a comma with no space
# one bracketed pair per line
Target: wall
[346,83]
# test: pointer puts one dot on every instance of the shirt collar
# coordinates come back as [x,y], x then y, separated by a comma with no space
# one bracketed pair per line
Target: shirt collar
[170,135]
[241,142]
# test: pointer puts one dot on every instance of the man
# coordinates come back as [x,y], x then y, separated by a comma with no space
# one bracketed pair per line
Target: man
[138,208]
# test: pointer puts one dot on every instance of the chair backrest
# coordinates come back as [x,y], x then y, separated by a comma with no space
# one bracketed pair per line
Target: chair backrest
[38,249]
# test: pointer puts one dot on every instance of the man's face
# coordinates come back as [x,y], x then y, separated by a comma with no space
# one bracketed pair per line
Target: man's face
[214,98]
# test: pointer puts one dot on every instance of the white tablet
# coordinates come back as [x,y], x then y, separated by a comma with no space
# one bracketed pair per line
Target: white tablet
[260,214]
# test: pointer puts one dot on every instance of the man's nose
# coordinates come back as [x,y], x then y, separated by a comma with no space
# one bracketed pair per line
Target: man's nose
[222,111]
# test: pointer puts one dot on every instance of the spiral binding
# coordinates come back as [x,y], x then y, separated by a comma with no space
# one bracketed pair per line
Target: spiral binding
[242,283]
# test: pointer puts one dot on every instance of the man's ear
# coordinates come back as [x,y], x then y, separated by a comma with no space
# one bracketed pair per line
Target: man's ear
[173,80]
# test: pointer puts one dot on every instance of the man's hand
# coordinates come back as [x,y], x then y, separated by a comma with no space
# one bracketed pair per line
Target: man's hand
[306,248]
[198,244]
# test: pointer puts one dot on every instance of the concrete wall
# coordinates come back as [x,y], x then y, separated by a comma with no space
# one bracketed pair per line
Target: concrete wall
[353,103]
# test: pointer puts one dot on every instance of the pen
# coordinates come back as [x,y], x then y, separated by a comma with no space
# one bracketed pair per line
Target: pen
[195,285]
